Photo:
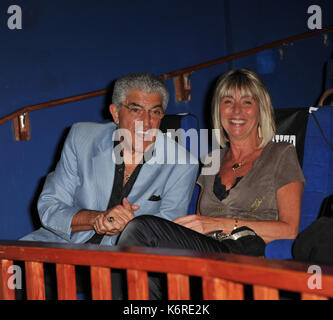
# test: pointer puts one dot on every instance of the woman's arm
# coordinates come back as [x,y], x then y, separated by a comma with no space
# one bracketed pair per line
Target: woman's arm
[289,206]
[289,199]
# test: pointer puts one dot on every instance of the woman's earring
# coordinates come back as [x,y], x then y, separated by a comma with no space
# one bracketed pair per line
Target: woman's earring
[259,132]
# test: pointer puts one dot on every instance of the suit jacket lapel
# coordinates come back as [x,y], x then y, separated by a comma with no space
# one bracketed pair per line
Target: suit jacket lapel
[104,166]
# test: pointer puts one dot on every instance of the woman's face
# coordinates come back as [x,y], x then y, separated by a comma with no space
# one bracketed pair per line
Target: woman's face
[240,116]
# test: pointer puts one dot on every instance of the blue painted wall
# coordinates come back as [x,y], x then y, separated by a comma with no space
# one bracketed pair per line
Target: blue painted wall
[71,47]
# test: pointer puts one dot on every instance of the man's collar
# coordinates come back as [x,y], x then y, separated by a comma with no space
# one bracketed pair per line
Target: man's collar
[148,154]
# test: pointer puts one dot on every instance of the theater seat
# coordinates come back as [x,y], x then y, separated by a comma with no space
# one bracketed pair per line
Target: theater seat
[185,121]
[318,171]
[329,74]
[327,98]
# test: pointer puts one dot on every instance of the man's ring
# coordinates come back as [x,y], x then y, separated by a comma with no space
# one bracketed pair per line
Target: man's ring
[110,219]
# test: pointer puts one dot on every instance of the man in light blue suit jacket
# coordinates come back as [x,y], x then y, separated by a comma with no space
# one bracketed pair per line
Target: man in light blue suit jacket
[73,205]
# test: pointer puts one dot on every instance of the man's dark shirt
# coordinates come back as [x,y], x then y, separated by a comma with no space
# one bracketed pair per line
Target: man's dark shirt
[119,192]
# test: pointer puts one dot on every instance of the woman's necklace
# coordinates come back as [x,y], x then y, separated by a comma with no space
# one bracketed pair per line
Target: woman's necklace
[236,165]
[241,163]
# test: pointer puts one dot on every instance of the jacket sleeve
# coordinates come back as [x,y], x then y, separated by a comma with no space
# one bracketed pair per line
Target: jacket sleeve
[56,205]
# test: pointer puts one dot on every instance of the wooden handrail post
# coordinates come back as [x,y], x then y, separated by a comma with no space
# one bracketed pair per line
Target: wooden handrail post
[22,127]
[182,85]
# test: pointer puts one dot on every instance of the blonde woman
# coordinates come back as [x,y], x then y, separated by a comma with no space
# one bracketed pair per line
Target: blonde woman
[254,198]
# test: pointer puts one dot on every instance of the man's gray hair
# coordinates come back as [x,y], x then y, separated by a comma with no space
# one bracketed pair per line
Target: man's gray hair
[139,81]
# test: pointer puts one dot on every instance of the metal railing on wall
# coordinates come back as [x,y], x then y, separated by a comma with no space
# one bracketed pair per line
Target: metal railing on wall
[181,82]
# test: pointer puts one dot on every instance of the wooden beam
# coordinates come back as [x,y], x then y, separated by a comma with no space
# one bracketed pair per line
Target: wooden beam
[6,293]
[232,271]
[214,289]
[22,127]
[66,283]
[34,273]
[182,84]
[265,293]
[101,283]
[178,287]
[309,296]
[137,285]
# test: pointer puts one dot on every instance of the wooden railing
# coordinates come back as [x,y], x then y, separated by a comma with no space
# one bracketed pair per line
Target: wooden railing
[223,275]
[180,76]
[274,44]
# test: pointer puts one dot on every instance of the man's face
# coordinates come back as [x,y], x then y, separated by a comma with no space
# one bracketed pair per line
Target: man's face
[140,114]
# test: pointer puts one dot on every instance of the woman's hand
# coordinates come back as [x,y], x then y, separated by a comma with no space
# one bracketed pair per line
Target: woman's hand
[201,224]
[121,215]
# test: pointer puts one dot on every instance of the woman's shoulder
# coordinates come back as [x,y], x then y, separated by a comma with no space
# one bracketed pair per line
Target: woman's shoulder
[274,153]
[279,146]
[277,149]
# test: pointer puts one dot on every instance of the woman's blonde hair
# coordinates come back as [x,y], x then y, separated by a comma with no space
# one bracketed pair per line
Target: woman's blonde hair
[248,83]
